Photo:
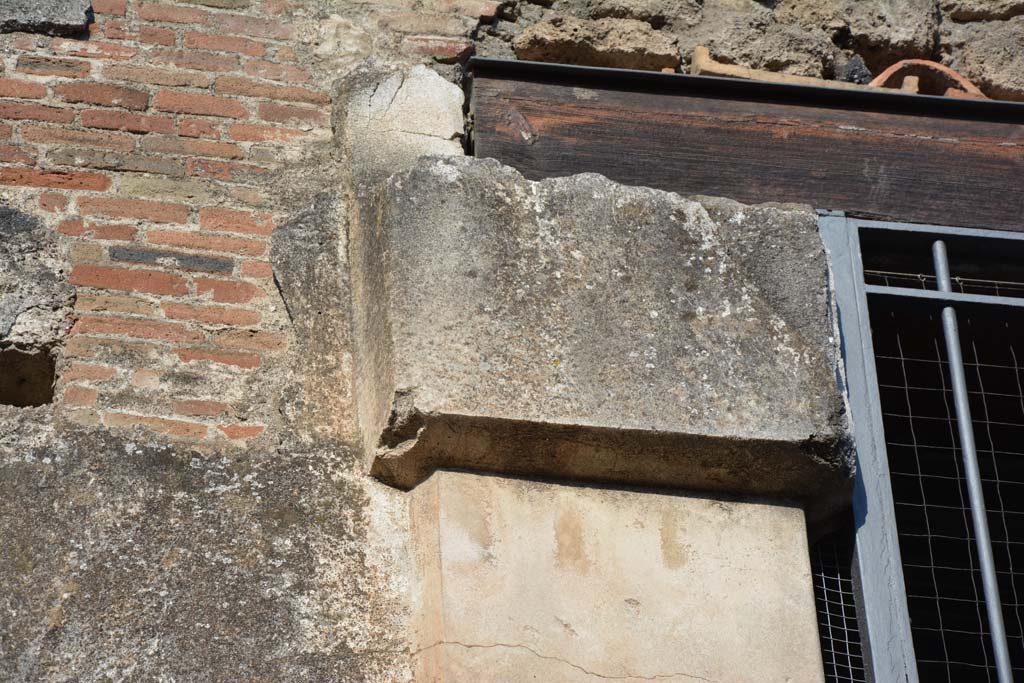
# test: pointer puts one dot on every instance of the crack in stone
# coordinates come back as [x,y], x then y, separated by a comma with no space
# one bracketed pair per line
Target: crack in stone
[472,646]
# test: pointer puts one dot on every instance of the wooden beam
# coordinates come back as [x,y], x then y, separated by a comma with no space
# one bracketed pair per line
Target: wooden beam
[888,155]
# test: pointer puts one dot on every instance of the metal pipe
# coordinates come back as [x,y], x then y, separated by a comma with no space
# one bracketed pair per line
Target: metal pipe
[993,606]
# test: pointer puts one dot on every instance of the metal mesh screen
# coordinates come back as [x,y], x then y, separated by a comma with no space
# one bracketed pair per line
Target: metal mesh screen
[831,565]
[940,564]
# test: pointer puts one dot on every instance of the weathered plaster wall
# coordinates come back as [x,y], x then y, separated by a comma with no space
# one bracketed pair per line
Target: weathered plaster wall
[194,506]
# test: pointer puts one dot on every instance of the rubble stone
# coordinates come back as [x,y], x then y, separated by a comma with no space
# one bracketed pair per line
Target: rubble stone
[988,54]
[736,33]
[620,43]
[880,31]
[657,13]
[982,10]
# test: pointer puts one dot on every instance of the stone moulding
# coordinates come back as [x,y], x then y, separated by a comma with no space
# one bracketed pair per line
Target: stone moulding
[577,328]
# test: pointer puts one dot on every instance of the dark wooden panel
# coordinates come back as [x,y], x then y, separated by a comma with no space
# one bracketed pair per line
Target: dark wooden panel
[924,160]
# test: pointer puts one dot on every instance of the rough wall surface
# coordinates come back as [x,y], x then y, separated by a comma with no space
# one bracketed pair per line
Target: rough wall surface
[192,506]
[819,38]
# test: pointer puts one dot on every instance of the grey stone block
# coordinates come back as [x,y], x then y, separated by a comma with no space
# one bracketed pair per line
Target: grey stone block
[175,259]
[386,119]
[580,328]
[35,298]
[52,17]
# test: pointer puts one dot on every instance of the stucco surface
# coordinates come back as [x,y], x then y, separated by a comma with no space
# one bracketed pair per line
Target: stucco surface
[529,581]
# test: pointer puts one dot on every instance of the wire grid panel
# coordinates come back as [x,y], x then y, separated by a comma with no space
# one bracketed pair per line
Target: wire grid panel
[963,285]
[940,564]
[831,571]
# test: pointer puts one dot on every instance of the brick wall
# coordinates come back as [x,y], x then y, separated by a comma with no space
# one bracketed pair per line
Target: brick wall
[153,146]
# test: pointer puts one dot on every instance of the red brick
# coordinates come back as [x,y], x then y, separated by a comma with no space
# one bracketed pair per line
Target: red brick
[194,103]
[116,161]
[211,315]
[278,6]
[77,395]
[128,280]
[444,50]
[65,180]
[5,131]
[228,292]
[53,202]
[81,138]
[145,379]
[255,132]
[113,303]
[112,28]
[157,212]
[113,7]
[93,48]
[26,42]
[88,372]
[251,26]
[248,195]
[202,148]
[234,220]
[257,269]
[48,66]
[277,72]
[241,431]
[14,154]
[76,227]
[178,428]
[250,340]
[198,128]
[192,59]
[35,112]
[145,74]
[136,327]
[221,43]
[175,14]
[247,87]
[87,252]
[118,350]
[285,113]
[30,90]
[241,360]
[121,120]
[154,35]
[201,408]
[204,242]
[103,94]
[222,170]
[285,53]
